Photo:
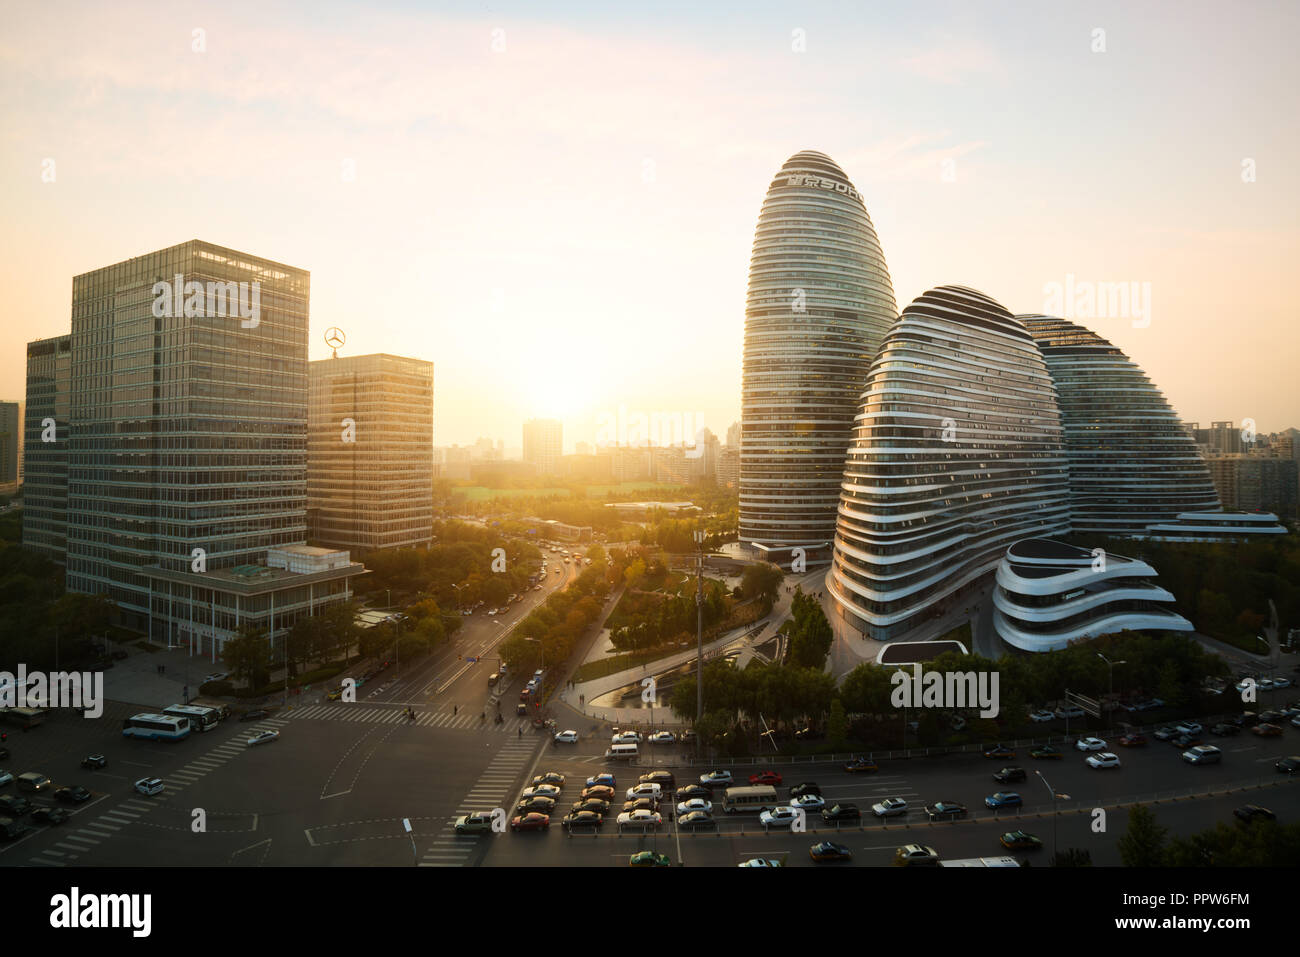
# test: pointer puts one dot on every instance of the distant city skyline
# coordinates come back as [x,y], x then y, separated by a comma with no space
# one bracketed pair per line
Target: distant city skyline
[455,200]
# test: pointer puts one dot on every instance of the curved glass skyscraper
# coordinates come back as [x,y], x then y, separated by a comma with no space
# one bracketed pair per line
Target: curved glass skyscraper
[1131,462]
[956,454]
[819,302]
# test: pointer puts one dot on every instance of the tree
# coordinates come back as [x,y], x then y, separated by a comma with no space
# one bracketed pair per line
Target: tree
[248,655]
[1073,857]
[837,725]
[762,580]
[1143,843]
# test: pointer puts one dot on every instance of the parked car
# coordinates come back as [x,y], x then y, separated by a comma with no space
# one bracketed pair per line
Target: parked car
[532,821]
[582,819]
[1069,711]
[1225,729]
[604,779]
[696,819]
[50,815]
[480,822]
[1266,730]
[71,794]
[538,804]
[14,806]
[640,819]
[663,737]
[1042,717]
[1164,734]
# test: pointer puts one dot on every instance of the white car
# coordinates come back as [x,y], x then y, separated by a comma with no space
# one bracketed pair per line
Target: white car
[663,737]
[1104,760]
[641,818]
[6,777]
[1203,754]
[1188,727]
[149,786]
[1090,744]
[778,817]
[648,790]
[715,779]
[759,862]
[1073,711]
[695,804]
[567,737]
[217,676]
[263,737]
[1281,682]
[809,802]
[540,790]
[626,737]
[1042,716]
[889,807]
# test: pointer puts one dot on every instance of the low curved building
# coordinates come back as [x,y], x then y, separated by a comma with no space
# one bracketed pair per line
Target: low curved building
[956,454]
[1049,594]
[1131,462]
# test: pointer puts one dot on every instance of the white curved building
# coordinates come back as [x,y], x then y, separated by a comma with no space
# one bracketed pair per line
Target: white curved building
[956,454]
[1131,462]
[1049,594]
[819,302]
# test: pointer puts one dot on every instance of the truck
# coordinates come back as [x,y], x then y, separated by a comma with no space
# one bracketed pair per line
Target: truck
[981,862]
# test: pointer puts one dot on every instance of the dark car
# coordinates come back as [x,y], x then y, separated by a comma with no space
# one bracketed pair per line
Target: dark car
[536,805]
[859,765]
[50,815]
[807,787]
[1266,730]
[118,655]
[602,791]
[94,761]
[829,851]
[550,777]
[999,751]
[694,819]
[72,794]
[1185,741]
[1253,812]
[11,805]
[1047,752]
[841,812]
[665,779]
[257,714]
[1164,734]
[1007,775]
[1270,717]
[693,791]
[641,804]
[1223,728]
[1288,765]
[11,828]
[592,804]
[945,810]
[582,819]
[4,753]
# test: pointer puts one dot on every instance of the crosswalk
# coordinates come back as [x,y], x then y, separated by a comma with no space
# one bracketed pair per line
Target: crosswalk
[446,719]
[495,788]
[82,837]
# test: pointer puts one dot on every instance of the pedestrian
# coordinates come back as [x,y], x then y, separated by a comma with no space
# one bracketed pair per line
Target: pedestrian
[521,732]
[454,708]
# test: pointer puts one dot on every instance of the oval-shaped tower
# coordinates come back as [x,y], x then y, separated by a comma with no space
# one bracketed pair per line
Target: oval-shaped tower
[957,453]
[1132,464]
[819,303]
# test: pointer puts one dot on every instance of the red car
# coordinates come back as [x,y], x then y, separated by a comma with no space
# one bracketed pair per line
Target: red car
[1134,740]
[765,777]
[532,821]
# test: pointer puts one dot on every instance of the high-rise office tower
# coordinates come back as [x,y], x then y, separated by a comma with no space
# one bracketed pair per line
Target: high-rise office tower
[1131,461]
[11,435]
[543,445]
[187,445]
[819,303]
[45,447]
[370,452]
[957,453]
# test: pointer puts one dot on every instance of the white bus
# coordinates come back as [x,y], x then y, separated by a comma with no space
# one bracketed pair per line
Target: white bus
[757,798]
[202,718]
[164,727]
[982,862]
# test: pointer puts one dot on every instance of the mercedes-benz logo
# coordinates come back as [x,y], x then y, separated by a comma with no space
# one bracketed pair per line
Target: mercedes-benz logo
[334,337]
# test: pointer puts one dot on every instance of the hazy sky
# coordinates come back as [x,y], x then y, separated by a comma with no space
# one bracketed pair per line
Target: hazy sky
[555,202]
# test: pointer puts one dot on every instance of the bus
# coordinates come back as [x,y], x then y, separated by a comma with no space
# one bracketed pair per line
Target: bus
[24,717]
[165,727]
[201,718]
[982,862]
[758,798]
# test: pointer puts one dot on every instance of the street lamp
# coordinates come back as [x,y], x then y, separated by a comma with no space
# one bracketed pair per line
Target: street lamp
[1111,665]
[699,634]
[1055,814]
[458,588]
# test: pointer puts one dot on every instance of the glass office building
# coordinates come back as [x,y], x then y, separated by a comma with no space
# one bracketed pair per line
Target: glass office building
[45,445]
[956,454]
[370,484]
[1131,461]
[819,302]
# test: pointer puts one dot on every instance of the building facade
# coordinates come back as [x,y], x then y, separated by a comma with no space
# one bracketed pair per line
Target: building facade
[45,454]
[819,302]
[370,482]
[543,445]
[11,440]
[1131,461]
[957,453]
